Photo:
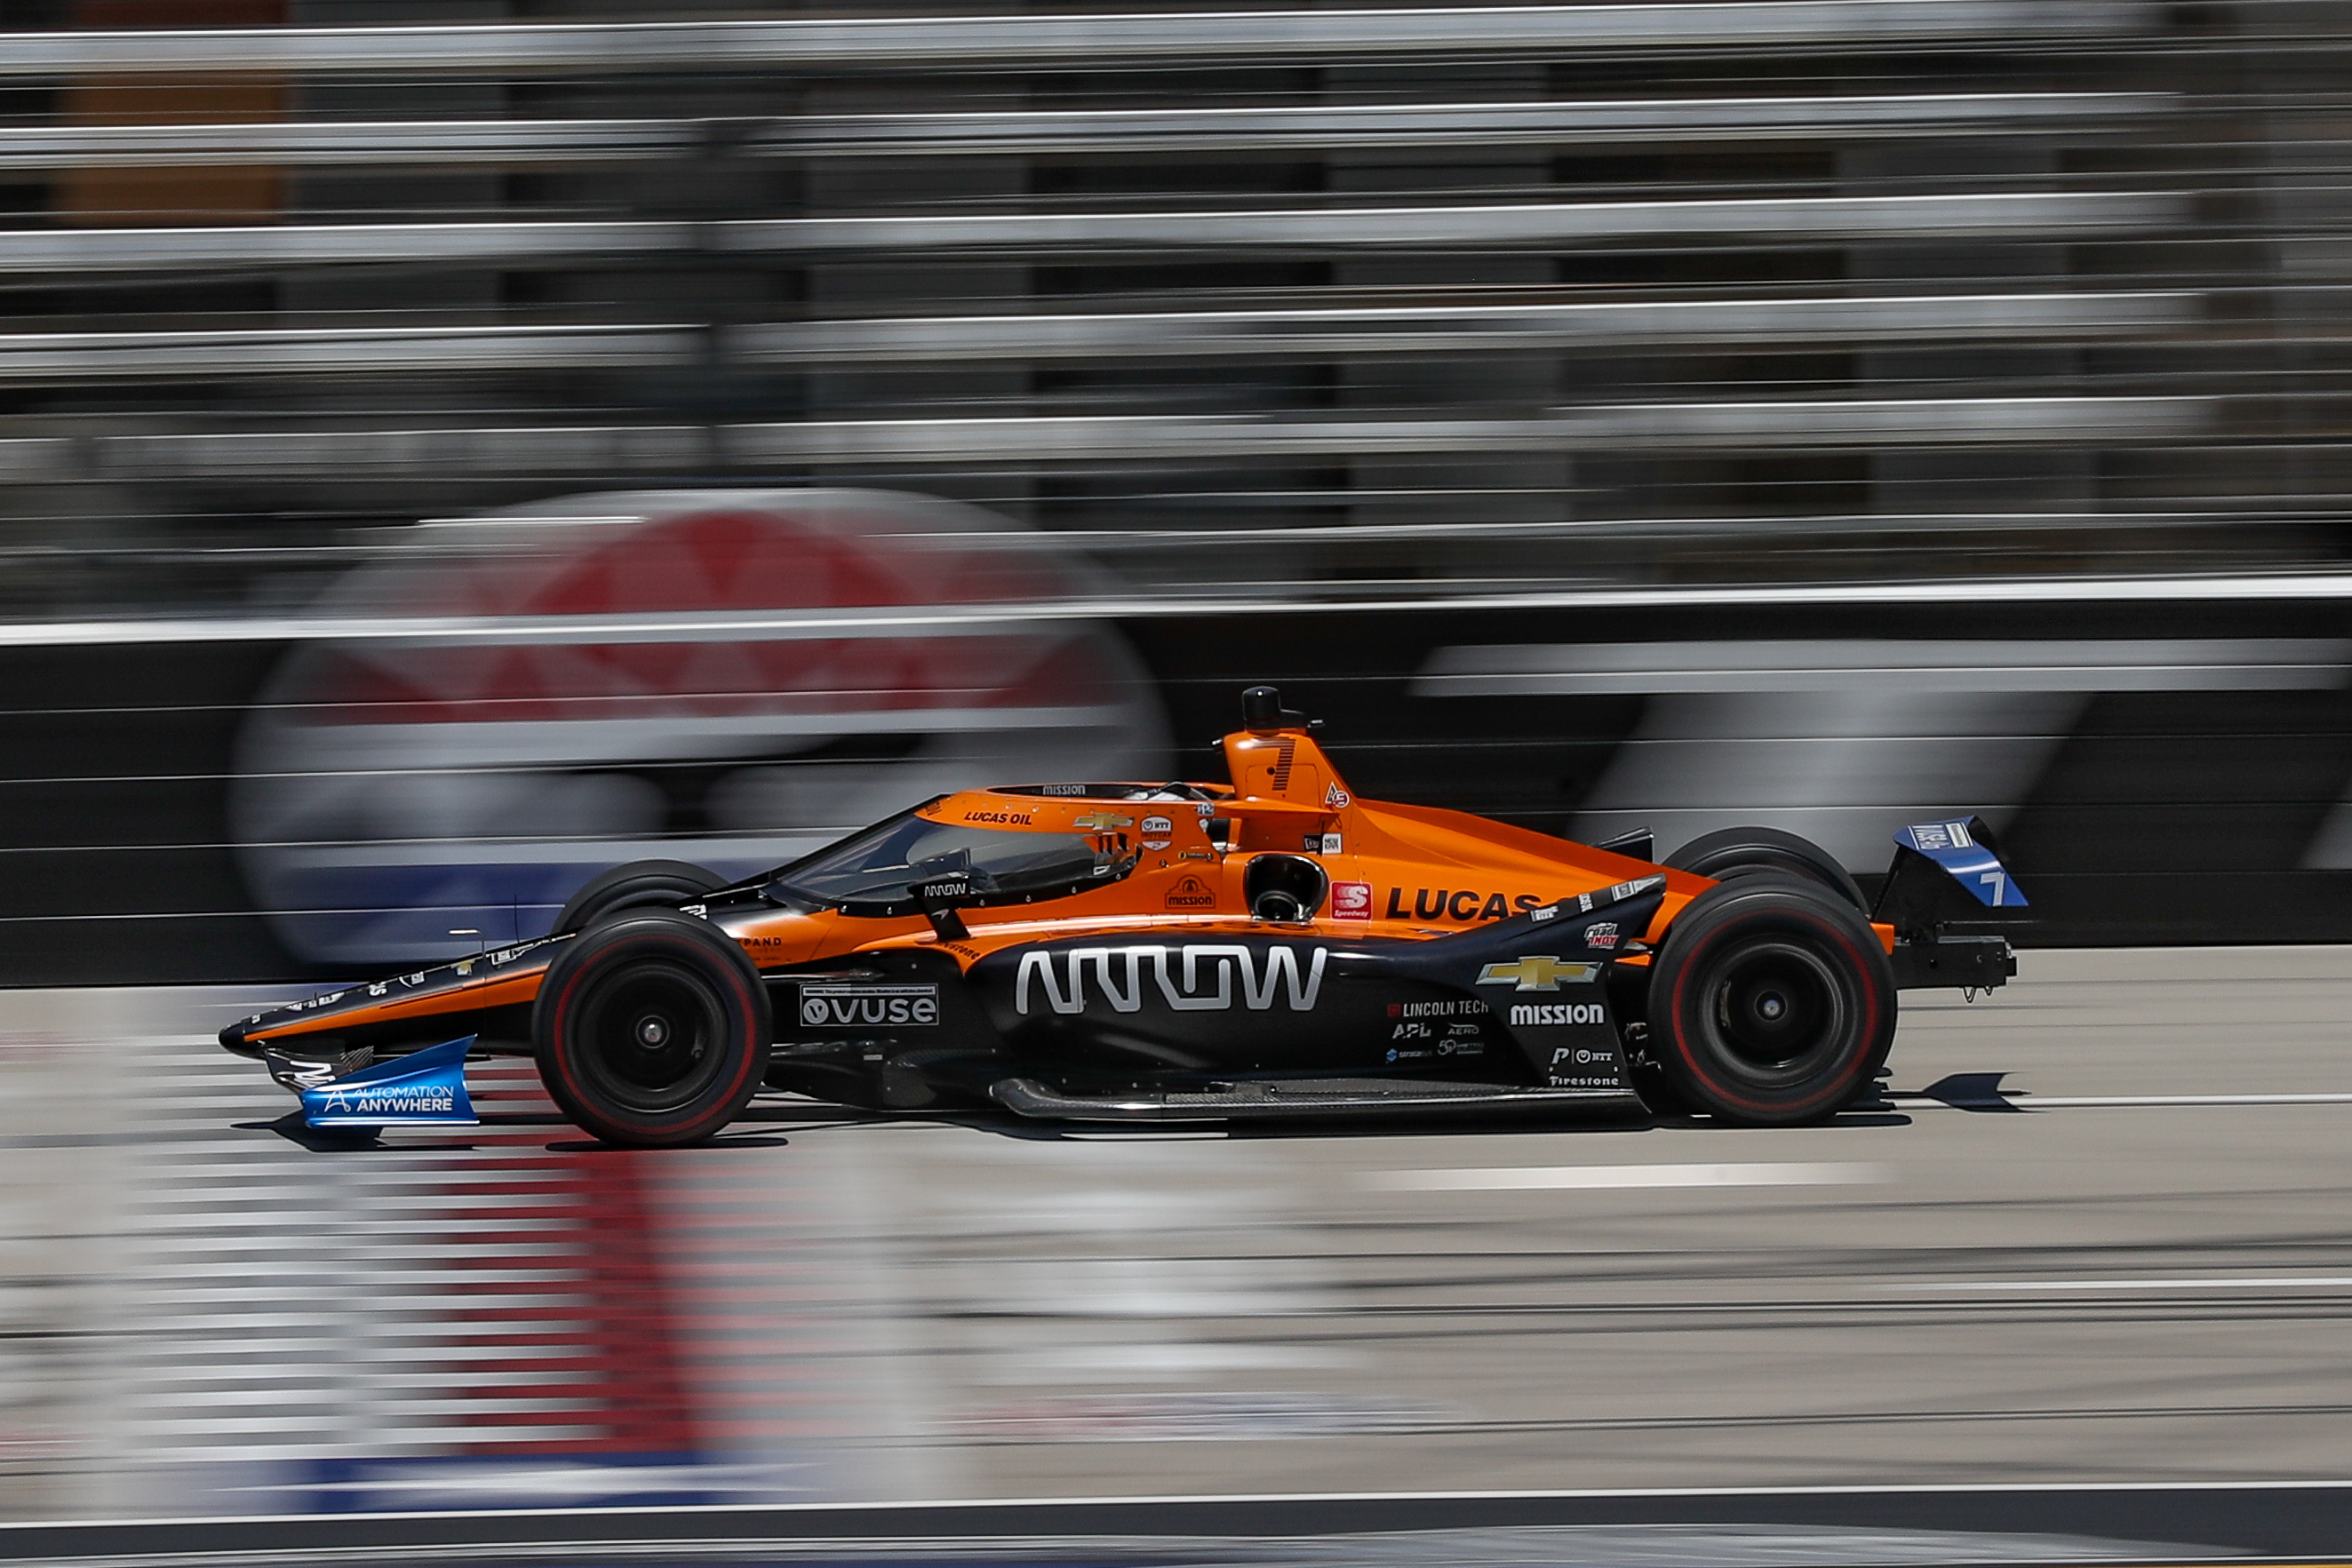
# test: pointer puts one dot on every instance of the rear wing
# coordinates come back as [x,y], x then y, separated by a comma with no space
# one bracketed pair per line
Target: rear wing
[1932,859]
[1944,875]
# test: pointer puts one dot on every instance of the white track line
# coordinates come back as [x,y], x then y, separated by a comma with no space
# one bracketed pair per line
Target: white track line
[2026,1101]
[1530,1178]
[2335,1282]
[896,621]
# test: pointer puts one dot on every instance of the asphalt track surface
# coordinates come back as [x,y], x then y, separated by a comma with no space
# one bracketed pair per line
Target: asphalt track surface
[2098,1237]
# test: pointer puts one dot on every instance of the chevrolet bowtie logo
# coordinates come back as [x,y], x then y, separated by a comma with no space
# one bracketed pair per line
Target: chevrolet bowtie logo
[1541,973]
[1101,821]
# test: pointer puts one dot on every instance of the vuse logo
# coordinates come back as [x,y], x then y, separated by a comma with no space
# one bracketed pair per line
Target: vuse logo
[841,1007]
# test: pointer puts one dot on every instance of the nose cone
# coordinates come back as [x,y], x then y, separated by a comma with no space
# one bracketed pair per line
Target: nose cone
[250,1037]
[232,1037]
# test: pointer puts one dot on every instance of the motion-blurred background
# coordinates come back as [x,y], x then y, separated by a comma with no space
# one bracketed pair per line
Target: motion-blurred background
[1815,412]
[448,447]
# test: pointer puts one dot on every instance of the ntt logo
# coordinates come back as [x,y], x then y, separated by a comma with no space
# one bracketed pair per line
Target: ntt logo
[1558,1013]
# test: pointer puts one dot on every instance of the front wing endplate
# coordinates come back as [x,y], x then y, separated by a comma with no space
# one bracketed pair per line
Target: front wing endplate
[425,1088]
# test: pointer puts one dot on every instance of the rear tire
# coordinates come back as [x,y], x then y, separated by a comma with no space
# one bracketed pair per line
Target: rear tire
[651,1029]
[1771,1003]
[1730,852]
[640,885]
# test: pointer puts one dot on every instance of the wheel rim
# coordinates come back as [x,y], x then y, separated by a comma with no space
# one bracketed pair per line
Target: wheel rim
[651,1036]
[1776,1012]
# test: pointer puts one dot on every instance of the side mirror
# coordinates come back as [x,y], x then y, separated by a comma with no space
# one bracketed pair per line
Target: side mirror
[940,900]
[1221,833]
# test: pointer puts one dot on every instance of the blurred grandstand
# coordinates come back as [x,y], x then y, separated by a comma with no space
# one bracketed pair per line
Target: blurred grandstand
[1223,312]
[1266,302]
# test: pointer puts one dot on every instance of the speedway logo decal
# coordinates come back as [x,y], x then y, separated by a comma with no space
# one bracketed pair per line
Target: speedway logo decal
[1541,973]
[1191,979]
[833,1005]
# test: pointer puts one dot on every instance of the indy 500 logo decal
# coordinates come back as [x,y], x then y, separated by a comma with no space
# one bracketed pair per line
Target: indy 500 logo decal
[1190,978]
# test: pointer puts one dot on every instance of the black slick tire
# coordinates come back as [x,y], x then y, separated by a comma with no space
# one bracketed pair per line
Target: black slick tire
[639,884]
[1771,1003]
[1730,852]
[651,1029]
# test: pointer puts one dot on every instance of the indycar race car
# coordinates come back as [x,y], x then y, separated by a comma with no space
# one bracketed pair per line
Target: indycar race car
[1271,948]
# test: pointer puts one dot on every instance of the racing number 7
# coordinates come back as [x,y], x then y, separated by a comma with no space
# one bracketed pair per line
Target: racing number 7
[1997,881]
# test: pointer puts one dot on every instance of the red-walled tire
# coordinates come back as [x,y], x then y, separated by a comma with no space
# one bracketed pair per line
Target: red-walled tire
[651,1029]
[1772,1003]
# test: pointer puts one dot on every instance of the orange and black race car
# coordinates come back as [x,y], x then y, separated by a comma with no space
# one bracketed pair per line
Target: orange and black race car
[1271,948]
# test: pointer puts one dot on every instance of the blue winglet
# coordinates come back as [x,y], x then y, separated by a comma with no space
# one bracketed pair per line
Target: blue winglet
[1955,847]
[425,1088]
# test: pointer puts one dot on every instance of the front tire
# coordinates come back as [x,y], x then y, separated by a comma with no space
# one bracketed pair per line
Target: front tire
[640,885]
[651,1029]
[1772,1003]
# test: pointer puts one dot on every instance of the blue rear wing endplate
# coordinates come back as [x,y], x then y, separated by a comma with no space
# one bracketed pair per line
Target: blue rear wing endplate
[1959,847]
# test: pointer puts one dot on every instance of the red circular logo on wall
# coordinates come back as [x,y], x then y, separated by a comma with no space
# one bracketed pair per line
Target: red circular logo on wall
[731,678]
